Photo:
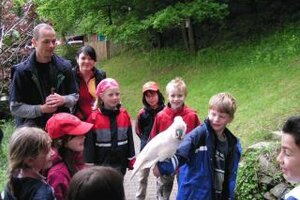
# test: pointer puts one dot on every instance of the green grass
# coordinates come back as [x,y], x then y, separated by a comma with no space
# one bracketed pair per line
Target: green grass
[7,128]
[263,75]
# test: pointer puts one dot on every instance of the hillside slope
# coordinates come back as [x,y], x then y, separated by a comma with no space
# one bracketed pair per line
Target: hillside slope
[262,74]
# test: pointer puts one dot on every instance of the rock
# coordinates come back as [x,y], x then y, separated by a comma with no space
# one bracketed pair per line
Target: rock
[279,190]
[259,145]
[268,196]
[276,135]
[266,166]
[266,180]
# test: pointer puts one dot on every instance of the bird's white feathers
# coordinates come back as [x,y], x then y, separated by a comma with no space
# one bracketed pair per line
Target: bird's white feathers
[161,147]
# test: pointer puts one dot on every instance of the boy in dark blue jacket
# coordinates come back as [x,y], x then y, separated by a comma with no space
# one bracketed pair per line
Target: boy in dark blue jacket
[208,156]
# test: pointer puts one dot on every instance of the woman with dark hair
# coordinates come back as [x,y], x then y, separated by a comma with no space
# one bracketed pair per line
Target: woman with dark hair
[87,78]
[97,182]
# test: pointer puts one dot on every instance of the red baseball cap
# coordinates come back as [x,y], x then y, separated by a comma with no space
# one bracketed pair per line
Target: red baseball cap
[61,124]
[151,85]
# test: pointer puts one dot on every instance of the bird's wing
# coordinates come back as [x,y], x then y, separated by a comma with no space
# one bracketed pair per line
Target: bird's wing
[149,155]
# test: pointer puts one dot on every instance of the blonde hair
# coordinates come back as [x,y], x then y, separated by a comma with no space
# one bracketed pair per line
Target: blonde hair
[223,102]
[98,103]
[24,143]
[178,84]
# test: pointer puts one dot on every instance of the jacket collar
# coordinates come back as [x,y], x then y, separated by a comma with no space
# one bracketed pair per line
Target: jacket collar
[59,63]
[232,140]
[154,111]
[108,112]
[181,112]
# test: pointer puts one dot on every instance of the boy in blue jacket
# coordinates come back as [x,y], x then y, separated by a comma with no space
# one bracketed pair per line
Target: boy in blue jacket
[208,156]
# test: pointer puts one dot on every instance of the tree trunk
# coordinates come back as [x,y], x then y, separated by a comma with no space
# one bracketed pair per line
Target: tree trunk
[157,40]
[191,37]
[108,46]
[160,40]
[188,35]
[184,36]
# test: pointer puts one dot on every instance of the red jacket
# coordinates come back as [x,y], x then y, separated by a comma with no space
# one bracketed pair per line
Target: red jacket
[59,176]
[165,118]
[110,142]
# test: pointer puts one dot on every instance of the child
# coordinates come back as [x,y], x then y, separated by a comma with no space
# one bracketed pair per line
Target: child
[29,153]
[111,141]
[289,156]
[67,133]
[210,153]
[153,102]
[95,183]
[176,91]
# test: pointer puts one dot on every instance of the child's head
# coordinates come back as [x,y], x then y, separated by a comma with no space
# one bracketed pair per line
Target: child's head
[176,91]
[289,156]
[221,109]
[223,102]
[152,97]
[68,134]
[29,148]
[97,182]
[108,94]
[67,131]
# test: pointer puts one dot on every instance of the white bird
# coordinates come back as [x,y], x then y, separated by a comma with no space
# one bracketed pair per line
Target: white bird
[161,147]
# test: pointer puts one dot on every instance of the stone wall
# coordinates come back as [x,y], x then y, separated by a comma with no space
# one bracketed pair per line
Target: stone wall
[269,173]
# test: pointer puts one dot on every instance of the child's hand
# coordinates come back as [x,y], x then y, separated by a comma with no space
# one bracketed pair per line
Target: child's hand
[156,172]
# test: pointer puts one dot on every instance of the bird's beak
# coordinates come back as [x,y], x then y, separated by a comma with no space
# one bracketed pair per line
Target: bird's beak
[179,133]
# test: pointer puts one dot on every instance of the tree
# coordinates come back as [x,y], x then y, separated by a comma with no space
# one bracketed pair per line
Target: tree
[16,24]
[134,22]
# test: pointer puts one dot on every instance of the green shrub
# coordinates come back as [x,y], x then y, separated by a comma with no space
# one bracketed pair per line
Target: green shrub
[68,52]
[248,185]
[8,128]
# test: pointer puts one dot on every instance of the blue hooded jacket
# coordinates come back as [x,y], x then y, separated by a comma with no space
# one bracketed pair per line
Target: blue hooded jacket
[196,152]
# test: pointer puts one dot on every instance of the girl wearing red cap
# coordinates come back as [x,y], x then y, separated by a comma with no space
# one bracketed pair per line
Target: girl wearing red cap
[153,101]
[68,134]
[111,141]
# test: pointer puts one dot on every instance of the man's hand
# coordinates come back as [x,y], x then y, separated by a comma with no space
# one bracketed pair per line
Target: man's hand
[156,172]
[48,109]
[55,100]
